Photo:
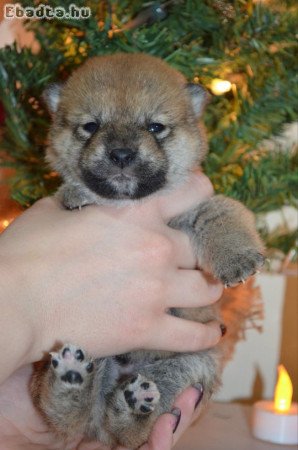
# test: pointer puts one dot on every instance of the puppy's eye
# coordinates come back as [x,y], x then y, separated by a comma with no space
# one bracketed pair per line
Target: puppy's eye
[90,127]
[156,127]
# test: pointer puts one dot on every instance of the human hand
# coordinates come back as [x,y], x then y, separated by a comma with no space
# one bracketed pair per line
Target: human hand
[103,278]
[21,427]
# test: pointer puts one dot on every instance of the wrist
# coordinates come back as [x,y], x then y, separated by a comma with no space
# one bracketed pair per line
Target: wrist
[18,334]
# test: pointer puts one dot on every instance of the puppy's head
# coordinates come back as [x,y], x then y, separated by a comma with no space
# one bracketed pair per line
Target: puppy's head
[125,126]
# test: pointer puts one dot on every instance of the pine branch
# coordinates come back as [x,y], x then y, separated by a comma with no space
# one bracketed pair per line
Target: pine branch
[251,44]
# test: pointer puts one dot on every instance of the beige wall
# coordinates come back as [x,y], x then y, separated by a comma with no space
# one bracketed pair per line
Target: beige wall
[251,375]
[289,342]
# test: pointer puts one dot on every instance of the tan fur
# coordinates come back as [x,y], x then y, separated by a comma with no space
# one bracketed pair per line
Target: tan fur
[123,95]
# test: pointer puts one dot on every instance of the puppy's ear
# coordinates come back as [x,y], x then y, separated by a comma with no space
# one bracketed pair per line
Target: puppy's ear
[51,96]
[199,98]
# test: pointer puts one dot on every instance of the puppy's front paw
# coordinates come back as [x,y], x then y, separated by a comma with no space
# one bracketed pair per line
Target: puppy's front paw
[141,395]
[237,265]
[71,365]
[73,197]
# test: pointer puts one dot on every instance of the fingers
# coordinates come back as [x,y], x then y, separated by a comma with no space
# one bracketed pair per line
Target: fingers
[189,404]
[169,427]
[181,335]
[161,437]
[191,289]
[197,189]
[182,250]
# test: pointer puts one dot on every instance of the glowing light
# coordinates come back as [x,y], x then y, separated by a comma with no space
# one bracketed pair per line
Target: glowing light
[5,223]
[283,391]
[68,40]
[219,87]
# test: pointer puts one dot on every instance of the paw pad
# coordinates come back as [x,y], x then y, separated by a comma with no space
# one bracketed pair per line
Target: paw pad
[72,377]
[72,365]
[141,395]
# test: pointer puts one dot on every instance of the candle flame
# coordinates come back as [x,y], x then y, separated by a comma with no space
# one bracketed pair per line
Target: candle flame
[283,391]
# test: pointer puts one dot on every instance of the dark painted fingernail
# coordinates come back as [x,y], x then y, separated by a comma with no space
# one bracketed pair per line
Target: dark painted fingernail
[200,390]
[177,413]
[223,329]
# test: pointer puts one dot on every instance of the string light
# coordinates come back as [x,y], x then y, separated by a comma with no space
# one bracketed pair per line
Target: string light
[4,224]
[220,87]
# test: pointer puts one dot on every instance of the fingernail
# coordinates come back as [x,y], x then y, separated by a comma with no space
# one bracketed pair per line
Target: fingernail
[223,329]
[177,413]
[200,390]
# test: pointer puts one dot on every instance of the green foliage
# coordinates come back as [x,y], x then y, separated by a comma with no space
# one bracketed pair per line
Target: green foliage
[255,47]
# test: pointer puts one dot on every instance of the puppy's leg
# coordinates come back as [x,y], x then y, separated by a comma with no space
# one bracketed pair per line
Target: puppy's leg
[63,392]
[74,196]
[224,236]
[132,409]
[135,405]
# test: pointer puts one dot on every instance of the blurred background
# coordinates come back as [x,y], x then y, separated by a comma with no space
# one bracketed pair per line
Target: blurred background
[245,54]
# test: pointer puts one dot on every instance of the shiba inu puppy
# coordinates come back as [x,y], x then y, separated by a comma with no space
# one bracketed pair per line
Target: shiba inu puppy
[124,127]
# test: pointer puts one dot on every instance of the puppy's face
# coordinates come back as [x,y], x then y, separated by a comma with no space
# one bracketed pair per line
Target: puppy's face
[125,126]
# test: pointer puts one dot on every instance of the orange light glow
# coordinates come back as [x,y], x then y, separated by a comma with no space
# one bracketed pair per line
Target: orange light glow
[283,391]
[4,224]
[219,87]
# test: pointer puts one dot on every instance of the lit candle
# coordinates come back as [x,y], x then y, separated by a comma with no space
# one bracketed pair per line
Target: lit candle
[277,421]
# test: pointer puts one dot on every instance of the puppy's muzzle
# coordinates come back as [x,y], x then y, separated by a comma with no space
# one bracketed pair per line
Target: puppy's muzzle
[122,157]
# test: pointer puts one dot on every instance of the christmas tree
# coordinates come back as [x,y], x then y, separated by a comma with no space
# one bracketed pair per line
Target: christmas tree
[242,51]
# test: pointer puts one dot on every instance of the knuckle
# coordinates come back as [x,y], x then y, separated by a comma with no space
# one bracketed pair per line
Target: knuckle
[141,329]
[154,297]
[157,290]
[163,248]
[157,249]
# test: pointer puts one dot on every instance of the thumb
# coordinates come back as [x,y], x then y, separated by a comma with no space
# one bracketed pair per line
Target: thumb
[161,437]
[197,189]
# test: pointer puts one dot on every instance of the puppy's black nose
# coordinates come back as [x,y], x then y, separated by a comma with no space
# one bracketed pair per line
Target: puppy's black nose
[122,157]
